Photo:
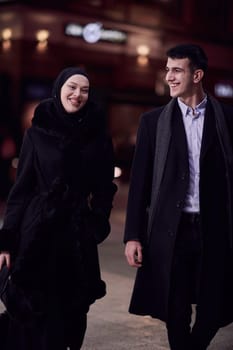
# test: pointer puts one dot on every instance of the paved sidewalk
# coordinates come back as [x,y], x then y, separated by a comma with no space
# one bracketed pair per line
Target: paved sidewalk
[110,326]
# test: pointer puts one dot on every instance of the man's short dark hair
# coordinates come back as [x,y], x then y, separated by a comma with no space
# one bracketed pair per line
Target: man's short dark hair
[195,54]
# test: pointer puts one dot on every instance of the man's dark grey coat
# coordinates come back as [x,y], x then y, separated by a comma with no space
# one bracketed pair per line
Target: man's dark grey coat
[152,285]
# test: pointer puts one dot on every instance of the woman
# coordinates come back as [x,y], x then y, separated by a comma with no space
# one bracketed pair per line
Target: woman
[57,212]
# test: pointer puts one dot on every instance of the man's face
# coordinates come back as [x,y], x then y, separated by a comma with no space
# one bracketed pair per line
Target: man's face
[179,77]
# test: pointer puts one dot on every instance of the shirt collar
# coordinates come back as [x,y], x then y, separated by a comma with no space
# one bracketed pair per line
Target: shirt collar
[186,109]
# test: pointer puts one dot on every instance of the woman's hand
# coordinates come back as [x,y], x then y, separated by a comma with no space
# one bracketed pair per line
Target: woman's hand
[4,259]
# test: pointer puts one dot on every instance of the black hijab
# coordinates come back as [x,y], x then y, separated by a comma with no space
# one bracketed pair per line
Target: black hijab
[68,118]
[74,130]
[51,115]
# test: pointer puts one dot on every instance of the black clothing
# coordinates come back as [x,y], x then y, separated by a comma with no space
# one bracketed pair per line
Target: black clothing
[152,287]
[57,213]
[185,283]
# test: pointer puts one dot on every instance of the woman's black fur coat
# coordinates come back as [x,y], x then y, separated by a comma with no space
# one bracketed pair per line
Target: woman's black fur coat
[57,213]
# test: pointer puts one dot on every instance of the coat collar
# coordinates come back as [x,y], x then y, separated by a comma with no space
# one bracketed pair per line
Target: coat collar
[45,118]
[163,137]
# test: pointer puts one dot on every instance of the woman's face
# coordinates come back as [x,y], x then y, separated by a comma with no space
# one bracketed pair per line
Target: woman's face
[74,93]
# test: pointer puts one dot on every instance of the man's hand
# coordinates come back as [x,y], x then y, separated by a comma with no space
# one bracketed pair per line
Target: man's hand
[133,253]
[4,259]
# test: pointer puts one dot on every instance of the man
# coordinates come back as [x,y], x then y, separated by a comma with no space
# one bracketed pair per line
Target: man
[179,220]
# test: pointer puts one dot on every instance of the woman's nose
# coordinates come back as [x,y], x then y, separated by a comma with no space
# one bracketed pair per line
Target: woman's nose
[77,92]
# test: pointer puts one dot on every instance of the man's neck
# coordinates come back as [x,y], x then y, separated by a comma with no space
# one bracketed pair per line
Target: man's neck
[195,99]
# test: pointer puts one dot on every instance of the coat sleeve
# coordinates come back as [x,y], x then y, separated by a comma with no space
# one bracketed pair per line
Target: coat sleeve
[18,196]
[103,191]
[140,186]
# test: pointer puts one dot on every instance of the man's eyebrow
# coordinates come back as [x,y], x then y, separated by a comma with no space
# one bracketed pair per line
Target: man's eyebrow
[173,68]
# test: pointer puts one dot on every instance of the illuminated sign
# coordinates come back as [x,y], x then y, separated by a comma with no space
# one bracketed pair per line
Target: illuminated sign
[224,90]
[93,32]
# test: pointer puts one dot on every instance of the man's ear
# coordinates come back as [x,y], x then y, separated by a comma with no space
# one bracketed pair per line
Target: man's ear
[198,75]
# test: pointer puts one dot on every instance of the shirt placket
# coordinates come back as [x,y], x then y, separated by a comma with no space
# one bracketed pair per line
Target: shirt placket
[195,137]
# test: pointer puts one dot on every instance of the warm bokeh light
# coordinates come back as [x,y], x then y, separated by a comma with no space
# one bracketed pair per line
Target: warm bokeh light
[6,39]
[6,34]
[42,38]
[143,50]
[42,35]
[142,60]
[6,45]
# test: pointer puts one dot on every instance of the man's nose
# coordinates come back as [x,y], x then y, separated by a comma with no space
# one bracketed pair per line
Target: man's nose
[169,76]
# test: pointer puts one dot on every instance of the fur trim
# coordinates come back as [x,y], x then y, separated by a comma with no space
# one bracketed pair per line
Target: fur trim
[45,117]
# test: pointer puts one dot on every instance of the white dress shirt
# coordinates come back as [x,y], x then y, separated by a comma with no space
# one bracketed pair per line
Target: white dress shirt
[193,122]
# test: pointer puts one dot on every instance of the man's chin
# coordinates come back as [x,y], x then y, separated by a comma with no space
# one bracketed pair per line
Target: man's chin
[174,94]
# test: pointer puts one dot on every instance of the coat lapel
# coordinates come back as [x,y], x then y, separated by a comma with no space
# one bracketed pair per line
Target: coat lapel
[209,131]
[169,123]
[178,130]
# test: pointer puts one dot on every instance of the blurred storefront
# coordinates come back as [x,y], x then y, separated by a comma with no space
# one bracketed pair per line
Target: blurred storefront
[122,45]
